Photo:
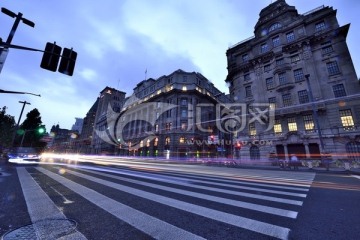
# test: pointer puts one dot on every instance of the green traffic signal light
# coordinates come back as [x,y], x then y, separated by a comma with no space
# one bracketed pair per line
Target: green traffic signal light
[41,130]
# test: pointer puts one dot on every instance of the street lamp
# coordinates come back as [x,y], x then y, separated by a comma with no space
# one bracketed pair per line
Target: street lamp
[307,76]
[18,17]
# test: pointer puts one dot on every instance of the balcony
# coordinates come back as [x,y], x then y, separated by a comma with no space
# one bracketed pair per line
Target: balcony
[285,86]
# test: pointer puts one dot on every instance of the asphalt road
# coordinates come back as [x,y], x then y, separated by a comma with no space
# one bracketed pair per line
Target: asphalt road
[136,200]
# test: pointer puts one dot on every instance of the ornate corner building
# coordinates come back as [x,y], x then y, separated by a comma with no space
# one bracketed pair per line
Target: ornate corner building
[172,116]
[300,65]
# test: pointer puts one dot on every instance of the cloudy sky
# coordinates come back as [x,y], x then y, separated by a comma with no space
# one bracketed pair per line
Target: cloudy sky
[117,40]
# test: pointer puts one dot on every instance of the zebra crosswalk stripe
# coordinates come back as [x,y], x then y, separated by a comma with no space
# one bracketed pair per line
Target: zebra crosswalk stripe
[158,229]
[251,206]
[40,207]
[238,221]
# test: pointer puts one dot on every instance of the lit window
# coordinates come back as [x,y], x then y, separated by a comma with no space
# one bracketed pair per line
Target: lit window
[182,140]
[339,90]
[346,118]
[183,126]
[308,122]
[303,96]
[156,127]
[252,129]
[184,88]
[148,143]
[167,141]
[277,126]
[292,124]
[156,142]
[332,68]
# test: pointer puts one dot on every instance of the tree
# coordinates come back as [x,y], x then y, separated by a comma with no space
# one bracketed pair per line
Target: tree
[7,128]
[31,131]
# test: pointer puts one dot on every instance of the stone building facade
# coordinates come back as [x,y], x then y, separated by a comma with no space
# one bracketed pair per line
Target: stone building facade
[301,66]
[173,116]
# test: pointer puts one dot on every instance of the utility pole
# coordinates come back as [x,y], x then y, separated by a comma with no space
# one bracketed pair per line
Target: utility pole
[18,123]
[18,17]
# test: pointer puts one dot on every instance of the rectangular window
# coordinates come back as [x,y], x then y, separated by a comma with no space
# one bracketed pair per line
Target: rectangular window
[282,78]
[183,126]
[277,126]
[156,127]
[279,61]
[308,122]
[298,75]
[346,118]
[327,48]
[183,102]
[287,101]
[264,48]
[183,113]
[295,58]
[267,68]
[270,83]
[332,68]
[245,57]
[290,37]
[303,96]
[248,92]
[276,41]
[339,90]
[320,26]
[272,102]
[292,124]
[252,129]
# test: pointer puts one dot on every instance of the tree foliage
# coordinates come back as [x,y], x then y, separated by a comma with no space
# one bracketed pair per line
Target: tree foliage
[28,134]
[7,128]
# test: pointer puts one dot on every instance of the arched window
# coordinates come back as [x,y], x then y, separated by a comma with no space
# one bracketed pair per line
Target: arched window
[148,143]
[156,141]
[353,150]
[274,26]
[254,153]
[141,143]
[182,140]
[167,141]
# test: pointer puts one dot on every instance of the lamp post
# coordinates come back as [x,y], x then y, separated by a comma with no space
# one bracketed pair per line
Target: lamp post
[18,17]
[317,124]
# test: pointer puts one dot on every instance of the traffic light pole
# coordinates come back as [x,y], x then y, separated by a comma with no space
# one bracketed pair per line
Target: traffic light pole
[18,17]
[18,123]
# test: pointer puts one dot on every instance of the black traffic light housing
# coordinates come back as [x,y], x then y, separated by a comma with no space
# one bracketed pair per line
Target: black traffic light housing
[67,63]
[52,56]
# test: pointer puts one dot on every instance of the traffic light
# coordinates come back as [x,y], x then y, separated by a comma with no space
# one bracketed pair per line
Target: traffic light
[67,63]
[51,57]
[40,130]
